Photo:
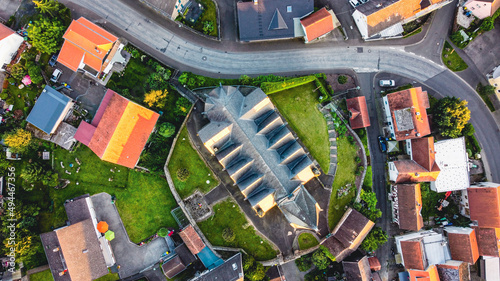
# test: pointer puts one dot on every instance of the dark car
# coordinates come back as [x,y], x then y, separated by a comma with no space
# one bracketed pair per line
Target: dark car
[53,60]
[382,144]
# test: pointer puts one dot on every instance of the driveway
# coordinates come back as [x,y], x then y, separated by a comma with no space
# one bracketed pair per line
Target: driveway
[131,257]
[485,50]
[9,7]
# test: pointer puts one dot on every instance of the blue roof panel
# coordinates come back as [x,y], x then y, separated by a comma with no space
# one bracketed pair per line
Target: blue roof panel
[47,110]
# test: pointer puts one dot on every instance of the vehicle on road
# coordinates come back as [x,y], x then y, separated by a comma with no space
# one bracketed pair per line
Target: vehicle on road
[382,144]
[53,60]
[55,76]
[387,83]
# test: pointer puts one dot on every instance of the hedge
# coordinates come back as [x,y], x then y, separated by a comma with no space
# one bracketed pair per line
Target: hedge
[273,87]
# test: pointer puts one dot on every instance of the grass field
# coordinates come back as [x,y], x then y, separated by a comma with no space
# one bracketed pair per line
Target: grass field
[298,106]
[307,240]
[228,214]
[42,276]
[143,200]
[109,277]
[451,59]
[185,157]
[346,167]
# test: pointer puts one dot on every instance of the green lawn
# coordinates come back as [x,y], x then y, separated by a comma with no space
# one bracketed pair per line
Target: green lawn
[109,277]
[42,276]
[186,157]
[228,214]
[307,240]
[134,78]
[210,15]
[451,59]
[298,106]
[346,167]
[143,200]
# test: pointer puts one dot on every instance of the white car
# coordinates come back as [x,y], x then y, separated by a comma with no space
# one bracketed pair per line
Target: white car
[55,76]
[354,3]
[387,83]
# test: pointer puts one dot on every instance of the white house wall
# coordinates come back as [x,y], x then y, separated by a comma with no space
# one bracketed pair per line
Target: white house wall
[8,48]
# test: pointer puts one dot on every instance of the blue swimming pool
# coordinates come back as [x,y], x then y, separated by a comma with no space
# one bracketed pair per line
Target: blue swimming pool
[209,259]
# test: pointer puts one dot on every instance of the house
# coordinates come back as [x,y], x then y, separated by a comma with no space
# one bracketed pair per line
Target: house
[318,24]
[50,109]
[357,268]
[78,251]
[418,250]
[271,20]
[482,8]
[385,18]
[358,112]
[484,204]
[119,130]
[10,42]
[178,262]
[405,113]
[260,154]
[406,201]
[488,241]
[230,270]
[453,271]
[421,167]
[429,274]
[192,239]
[452,159]
[494,79]
[489,268]
[89,47]
[463,244]
[348,234]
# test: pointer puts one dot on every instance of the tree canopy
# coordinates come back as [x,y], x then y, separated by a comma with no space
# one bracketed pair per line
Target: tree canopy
[369,206]
[156,98]
[18,140]
[450,115]
[46,34]
[374,239]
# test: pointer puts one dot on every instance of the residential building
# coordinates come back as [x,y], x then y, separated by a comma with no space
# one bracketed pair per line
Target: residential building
[178,262]
[197,247]
[405,113]
[484,204]
[463,205]
[488,241]
[78,251]
[230,270]
[10,42]
[348,234]
[421,167]
[463,244]
[406,201]
[453,271]
[318,24]
[452,159]
[271,20]
[119,130]
[489,268]
[482,8]
[358,112]
[89,47]
[357,268]
[260,154]
[429,274]
[494,79]
[385,18]
[418,250]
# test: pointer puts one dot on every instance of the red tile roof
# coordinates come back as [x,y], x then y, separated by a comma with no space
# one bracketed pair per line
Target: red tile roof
[84,133]
[484,206]
[317,24]
[410,207]
[5,31]
[359,112]
[192,239]
[431,274]
[424,154]
[416,102]
[410,171]
[173,267]
[463,247]
[122,130]
[488,241]
[413,254]
[374,264]
[87,42]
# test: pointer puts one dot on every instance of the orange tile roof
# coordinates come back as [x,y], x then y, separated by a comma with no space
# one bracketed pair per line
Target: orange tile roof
[359,112]
[5,31]
[484,206]
[430,274]
[413,254]
[463,247]
[488,241]
[85,41]
[424,154]
[192,239]
[317,24]
[410,207]
[122,131]
[410,171]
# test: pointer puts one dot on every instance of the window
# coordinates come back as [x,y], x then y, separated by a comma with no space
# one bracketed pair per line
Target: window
[288,9]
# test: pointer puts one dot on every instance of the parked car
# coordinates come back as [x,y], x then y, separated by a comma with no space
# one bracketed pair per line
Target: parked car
[53,60]
[354,3]
[382,144]
[55,76]
[387,83]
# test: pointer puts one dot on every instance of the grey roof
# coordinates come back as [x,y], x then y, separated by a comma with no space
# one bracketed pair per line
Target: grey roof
[270,19]
[300,209]
[77,209]
[227,105]
[185,254]
[357,268]
[248,181]
[230,270]
[278,135]
[404,120]
[48,109]
[55,258]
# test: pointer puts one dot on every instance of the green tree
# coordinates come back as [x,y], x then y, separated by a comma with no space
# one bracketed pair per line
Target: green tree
[18,71]
[182,106]
[18,140]
[303,263]
[468,130]
[183,78]
[342,79]
[47,6]
[248,262]
[245,80]
[46,34]
[374,239]
[320,260]
[35,72]
[450,114]
[156,98]
[166,129]
[368,207]
[488,24]
[208,27]
[32,173]
[257,273]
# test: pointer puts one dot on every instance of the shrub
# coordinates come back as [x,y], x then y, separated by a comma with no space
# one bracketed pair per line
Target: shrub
[304,263]
[342,79]
[156,98]
[18,71]
[182,106]
[163,232]
[166,129]
[182,174]
[273,87]
[35,72]
[488,24]
[228,235]
[208,27]
[350,139]
[357,159]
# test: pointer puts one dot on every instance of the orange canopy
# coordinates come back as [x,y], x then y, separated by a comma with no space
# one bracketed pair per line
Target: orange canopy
[102,226]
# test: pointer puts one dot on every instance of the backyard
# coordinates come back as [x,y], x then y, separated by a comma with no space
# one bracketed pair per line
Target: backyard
[143,200]
[227,214]
[346,168]
[186,157]
[298,106]
[47,276]
[307,240]
[451,59]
